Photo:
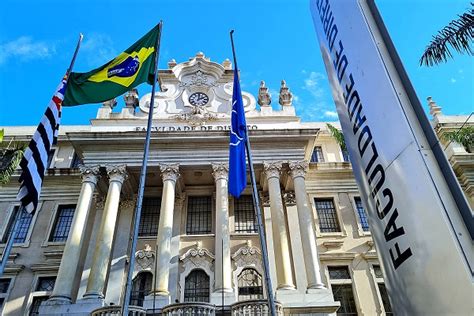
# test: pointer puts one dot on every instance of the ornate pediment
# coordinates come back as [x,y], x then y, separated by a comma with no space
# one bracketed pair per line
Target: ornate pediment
[198,257]
[247,255]
[145,258]
[197,91]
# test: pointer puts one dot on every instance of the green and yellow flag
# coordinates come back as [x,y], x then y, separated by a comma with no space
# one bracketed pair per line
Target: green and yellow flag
[132,67]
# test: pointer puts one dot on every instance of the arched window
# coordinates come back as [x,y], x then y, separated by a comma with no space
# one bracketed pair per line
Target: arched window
[140,288]
[250,285]
[196,287]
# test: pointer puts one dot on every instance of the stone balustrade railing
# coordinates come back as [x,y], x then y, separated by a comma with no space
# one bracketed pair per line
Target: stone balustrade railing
[117,310]
[254,308]
[190,309]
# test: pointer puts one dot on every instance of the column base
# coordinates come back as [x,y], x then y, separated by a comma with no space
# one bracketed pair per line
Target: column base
[286,287]
[314,287]
[93,296]
[58,300]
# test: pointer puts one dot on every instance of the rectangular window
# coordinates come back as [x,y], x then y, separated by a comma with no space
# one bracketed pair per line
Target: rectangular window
[45,284]
[35,305]
[199,220]
[382,290]
[76,161]
[23,225]
[339,273]
[63,222]
[327,216]
[345,156]
[343,293]
[244,215]
[50,158]
[341,285]
[364,222]
[4,288]
[150,217]
[317,155]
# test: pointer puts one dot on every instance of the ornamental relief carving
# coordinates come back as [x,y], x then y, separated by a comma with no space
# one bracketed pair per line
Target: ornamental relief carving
[247,255]
[90,173]
[145,258]
[117,172]
[170,172]
[272,169]
[289,198]
[298,168]
[220,171]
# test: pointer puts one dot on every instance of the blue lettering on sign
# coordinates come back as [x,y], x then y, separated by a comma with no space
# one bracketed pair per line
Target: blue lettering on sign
[366,146]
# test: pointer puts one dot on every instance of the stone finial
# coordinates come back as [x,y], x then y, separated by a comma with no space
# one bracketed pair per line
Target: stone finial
[227,64]
[286,97]
[131,98]
[199,55]
[171,63]
[110,103]
[264,97]
[435,109]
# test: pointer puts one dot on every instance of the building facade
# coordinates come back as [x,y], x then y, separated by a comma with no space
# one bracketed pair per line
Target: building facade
[198,248]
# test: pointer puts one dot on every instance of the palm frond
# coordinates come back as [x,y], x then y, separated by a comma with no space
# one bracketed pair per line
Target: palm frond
[10,159]
[337,134]
[458,34]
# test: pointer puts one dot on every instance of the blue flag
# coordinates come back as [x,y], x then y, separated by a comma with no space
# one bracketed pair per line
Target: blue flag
[238,127]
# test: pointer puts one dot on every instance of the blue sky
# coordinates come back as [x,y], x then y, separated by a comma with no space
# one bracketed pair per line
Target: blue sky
[275,40]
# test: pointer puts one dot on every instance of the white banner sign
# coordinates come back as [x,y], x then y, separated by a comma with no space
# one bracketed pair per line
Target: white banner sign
[420,235]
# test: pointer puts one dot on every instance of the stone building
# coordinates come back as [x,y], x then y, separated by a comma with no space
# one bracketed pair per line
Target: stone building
[197,247]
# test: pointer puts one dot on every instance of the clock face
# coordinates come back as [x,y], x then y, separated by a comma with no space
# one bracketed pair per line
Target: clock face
[198,99]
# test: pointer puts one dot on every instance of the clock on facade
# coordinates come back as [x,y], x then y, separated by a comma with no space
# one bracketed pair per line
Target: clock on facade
[198,99]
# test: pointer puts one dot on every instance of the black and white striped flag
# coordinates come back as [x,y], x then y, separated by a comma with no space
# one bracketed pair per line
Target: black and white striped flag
[35,158]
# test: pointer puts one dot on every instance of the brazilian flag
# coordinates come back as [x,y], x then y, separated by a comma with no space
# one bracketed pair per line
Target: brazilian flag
[129,69]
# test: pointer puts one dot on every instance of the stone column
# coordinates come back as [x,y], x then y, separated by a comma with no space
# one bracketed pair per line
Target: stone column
[102,252]
[170,174]
[223,268]
[280,236]
[63,288]
[307,229]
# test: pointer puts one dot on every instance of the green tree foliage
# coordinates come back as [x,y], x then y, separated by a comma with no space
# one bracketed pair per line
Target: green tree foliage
[458,34]
[463,136]
[10,158]
[337,134]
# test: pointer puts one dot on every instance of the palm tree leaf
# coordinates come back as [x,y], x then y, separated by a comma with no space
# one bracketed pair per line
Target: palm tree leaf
[459,34]
[337,134]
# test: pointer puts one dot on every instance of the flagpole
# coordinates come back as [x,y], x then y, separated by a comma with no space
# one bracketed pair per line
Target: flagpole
[11,237]
[10,241]
[256,202]
[141,186]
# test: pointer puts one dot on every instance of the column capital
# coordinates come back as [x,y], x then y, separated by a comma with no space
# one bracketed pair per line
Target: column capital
[117,173]
[170,172]
[90,173]
[272,169]
[298,168]
[289,198]
[220,171]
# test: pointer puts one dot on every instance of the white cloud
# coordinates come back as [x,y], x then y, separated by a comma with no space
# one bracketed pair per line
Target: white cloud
[330,114]
[25,48]
[453,80]
[98,49]
[313,84]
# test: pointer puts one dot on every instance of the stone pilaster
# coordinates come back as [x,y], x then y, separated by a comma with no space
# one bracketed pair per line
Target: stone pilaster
[306,221]
[223,268]
[170,174]
[101,259]
[63,288]
[280,236]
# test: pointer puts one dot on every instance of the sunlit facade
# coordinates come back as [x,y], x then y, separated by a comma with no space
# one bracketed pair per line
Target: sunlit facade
[198,248]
